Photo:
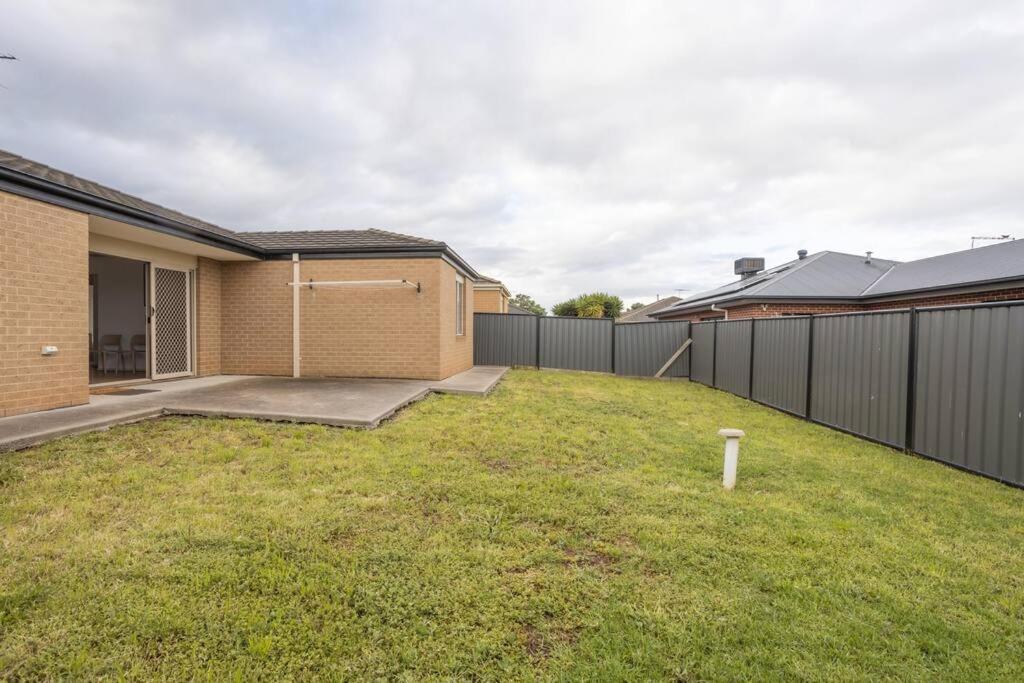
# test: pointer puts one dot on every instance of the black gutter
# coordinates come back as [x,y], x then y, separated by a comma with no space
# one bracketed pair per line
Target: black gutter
[52,193]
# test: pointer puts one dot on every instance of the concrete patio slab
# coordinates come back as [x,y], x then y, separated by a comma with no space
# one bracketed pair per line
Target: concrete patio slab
[360,403]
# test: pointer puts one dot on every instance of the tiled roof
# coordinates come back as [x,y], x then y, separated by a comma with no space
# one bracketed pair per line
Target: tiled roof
[340,240]
[44,172]
[267,242]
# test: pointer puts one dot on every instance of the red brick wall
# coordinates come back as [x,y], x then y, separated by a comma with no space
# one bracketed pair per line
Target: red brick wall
[951,299]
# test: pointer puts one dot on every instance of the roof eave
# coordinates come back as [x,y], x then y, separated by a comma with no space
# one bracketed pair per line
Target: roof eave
[974,284]
[30,186]
[446,254]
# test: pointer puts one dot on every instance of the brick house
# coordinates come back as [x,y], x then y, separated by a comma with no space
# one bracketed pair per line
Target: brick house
[173,296]
[832,282]
[490,296]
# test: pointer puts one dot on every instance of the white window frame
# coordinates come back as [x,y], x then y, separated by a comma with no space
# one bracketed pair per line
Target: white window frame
[460,305]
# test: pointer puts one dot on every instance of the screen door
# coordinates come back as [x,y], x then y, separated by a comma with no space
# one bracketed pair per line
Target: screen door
[172,322]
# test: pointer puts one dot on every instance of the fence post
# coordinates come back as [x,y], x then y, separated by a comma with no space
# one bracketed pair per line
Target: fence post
[613,346]
[810,365]
[750,367]
[911,380]
[536,342]
[714,353]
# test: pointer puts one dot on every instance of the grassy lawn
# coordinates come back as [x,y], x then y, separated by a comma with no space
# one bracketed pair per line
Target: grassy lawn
[569,526]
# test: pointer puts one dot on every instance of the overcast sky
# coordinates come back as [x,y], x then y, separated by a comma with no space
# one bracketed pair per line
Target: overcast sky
[563,148]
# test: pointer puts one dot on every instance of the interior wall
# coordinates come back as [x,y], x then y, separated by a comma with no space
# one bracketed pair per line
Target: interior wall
[121,296]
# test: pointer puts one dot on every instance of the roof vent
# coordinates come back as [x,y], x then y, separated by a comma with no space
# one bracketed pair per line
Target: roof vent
[867,257]
[748,266]
[802,254]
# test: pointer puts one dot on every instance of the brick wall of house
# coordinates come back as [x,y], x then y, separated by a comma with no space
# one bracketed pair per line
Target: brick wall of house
[371,331]
[456,350]
[489,301]
[344,331]
[208,318]
[256,318]
[44,300]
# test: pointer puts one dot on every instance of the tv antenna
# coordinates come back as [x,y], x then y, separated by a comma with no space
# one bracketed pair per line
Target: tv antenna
[999,238]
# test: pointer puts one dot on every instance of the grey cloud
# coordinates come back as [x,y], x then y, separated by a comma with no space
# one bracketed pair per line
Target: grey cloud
[562,147]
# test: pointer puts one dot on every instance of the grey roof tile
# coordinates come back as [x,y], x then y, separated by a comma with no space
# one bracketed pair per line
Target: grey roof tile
[266,241]
[340,240]
[35,169]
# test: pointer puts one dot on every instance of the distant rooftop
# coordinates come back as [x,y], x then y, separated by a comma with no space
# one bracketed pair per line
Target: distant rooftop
[835,275]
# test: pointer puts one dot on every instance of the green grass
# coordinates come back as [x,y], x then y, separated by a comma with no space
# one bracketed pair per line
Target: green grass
[569,527]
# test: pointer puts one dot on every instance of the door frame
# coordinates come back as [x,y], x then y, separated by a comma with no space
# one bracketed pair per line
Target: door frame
[190,315]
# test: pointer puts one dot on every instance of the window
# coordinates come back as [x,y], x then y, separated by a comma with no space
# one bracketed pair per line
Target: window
[460,305]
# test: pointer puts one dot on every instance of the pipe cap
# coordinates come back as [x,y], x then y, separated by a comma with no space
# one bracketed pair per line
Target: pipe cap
[731,433]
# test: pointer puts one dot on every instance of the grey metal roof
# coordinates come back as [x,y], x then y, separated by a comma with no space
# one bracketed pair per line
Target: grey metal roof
[335,240]
[515,310]
[826,274]
[834,275]
[643,315]
[1002,261]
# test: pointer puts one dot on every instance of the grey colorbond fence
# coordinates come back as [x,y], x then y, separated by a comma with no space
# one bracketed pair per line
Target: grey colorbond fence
[969,389]
[641,349]
[946,383]
[504,339]
[596,345]
[781,355]
[732,356]
[859,374]
[576,343]
[702,353]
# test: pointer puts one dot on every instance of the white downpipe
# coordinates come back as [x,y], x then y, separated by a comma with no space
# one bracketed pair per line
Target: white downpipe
[732,456]
[716,309]
[295,317]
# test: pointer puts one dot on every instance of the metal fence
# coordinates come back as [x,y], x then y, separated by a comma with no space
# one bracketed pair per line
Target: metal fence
[593,344]
[945,383]
[641,349]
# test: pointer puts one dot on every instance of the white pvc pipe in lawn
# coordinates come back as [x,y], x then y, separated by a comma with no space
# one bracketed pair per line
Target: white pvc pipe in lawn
[732,456]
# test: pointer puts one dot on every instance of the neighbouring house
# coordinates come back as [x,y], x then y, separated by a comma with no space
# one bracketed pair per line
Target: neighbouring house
[644,314]
[516,310]
[832,282]
[99,286]
[490,295]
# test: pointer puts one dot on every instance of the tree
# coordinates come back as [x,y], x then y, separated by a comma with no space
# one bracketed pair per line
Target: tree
[635,305]
[526,302]
[596,305]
